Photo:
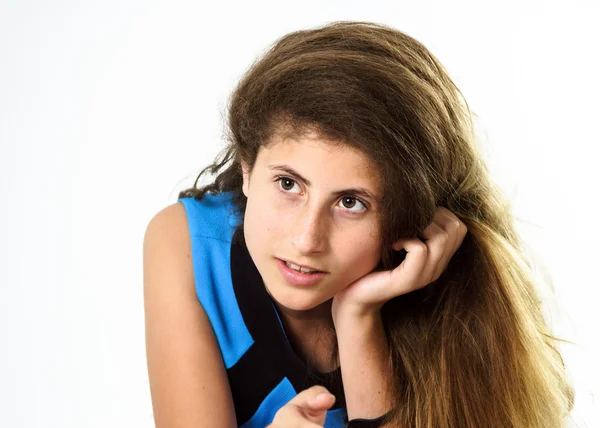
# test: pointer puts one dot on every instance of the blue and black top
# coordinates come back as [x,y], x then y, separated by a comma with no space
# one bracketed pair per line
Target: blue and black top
[263,369]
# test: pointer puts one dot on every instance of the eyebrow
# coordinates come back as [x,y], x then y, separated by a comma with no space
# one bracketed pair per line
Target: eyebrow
[357,191]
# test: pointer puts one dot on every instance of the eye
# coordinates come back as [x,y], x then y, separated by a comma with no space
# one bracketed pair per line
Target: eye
[286,184]
[353,202]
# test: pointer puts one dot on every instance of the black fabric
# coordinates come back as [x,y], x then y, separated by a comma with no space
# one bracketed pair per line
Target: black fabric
[366,423]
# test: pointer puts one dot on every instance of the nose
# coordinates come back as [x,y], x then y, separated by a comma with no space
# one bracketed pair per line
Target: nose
[309,231]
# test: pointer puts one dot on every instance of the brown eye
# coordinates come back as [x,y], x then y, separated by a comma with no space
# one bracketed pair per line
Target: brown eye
[349,204]
[286,183]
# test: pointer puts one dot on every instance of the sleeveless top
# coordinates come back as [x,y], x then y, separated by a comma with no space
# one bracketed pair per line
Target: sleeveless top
[263,369]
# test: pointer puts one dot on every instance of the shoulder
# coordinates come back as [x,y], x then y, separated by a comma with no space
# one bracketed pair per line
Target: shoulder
[172,218]
[167,249]
[168,232]
[188,216]
[212,217]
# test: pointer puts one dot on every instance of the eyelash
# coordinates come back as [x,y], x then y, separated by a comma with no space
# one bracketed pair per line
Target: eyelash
[280,177]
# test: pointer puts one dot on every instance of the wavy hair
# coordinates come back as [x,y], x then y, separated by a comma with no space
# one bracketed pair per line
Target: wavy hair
[471,349]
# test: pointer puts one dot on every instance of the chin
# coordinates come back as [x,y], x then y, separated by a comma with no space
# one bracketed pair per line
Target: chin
[297,300]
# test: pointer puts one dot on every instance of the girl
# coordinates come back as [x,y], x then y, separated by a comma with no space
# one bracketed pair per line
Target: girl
[352,264]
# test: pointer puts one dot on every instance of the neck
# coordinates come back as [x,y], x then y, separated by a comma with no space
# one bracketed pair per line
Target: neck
[310,326]
[311,334]
[316,317]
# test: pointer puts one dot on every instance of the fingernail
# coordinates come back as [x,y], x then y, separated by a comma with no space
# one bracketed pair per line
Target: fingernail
[324,396]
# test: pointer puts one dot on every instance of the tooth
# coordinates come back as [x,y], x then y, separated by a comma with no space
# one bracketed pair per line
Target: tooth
[298,268]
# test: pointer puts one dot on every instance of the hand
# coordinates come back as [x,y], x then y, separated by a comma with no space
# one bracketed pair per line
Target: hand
[424,263]
[308,409]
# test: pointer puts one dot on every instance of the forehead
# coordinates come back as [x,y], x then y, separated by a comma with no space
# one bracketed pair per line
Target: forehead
[314,155]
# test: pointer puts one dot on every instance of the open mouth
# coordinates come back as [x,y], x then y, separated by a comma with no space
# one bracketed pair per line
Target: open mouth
[301,269]
[299,277]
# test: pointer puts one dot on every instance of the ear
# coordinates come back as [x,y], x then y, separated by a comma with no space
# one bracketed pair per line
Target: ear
[245,177]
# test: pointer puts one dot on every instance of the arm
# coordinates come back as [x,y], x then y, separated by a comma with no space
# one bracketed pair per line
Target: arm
[364,364]
[356,313]
[188,381]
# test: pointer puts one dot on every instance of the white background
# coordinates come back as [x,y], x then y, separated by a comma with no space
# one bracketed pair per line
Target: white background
[108,109]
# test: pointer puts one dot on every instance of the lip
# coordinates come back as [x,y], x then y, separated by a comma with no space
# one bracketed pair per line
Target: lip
[298,278]
[304,266]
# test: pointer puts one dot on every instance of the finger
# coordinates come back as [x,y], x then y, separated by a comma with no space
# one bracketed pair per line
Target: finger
[406,276]
[456,231]
[447,222]
[309,397]
[313,402]
[456,225]
[438,244]
[322,401]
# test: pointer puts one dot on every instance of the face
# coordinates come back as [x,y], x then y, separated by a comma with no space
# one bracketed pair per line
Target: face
[299,209]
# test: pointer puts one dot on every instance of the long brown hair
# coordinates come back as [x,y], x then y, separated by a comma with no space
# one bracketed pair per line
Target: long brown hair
[471,349]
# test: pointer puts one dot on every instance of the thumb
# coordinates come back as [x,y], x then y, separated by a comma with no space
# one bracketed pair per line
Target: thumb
[314,401]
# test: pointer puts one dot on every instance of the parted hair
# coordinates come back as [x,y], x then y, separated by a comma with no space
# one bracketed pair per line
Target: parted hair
[472,349]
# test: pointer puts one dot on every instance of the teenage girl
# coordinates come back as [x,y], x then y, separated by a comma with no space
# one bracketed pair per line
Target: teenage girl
[352,263]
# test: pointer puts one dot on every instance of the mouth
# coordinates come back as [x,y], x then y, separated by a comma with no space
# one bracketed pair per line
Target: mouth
[301,268]
[297,277]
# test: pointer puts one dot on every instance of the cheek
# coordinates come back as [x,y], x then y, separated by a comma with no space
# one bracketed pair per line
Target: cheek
[359,256]
[262,223]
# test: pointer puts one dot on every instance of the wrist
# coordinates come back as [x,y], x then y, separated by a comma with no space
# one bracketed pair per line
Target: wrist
[354,317]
